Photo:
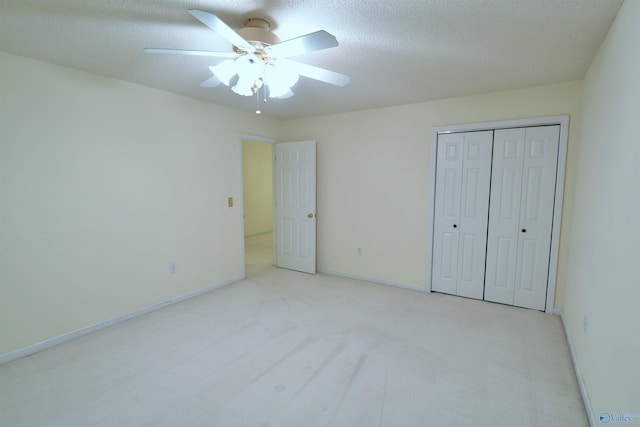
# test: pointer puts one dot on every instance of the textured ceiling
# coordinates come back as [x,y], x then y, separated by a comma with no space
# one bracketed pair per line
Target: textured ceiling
[396,52]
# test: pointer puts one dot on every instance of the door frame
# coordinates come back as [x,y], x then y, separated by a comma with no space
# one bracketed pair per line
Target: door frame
[563,121]
[240,201]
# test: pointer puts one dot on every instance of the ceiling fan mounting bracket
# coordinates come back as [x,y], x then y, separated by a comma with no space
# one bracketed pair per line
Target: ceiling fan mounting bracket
[258,33]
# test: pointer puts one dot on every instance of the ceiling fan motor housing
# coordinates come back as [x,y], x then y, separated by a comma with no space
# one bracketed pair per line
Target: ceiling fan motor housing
[258,32]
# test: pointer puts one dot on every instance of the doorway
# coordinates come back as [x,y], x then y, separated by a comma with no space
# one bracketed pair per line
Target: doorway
[257,190]
[278,204]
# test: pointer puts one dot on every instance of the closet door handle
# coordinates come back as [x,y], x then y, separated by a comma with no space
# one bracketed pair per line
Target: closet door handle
[524,230]
[455,225]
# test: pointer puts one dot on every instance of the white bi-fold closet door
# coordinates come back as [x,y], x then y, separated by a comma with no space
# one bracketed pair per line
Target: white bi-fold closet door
[523,182]
[463,176]
[493,213]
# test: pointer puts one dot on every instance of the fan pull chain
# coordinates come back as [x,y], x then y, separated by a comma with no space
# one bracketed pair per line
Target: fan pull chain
[258,111]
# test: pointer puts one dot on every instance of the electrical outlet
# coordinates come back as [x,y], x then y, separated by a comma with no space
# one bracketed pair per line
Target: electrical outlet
[172,268]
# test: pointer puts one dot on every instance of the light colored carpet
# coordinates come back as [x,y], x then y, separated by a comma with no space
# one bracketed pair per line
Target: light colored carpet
[290,349]
[258,252]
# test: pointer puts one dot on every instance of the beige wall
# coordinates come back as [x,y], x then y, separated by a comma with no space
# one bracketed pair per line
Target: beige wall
[104,184]
[373,177]
[257,179]
[604,270]
[111,182]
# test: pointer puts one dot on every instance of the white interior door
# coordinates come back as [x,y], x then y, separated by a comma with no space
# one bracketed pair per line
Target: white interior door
[536,216]
[476,183]
[447,213]
[295,205]
[504,215]
[463,170]
[521,215]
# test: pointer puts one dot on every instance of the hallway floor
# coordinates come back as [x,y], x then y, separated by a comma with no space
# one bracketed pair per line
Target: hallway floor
[258,252]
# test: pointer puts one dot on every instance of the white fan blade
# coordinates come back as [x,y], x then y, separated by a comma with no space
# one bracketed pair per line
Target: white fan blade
[287,94]
[192,52]
[318,73]
[307,43]
[223,30]
[212,81]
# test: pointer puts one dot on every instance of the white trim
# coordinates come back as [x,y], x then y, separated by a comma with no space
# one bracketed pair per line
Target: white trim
[243,261]
[374,280]
[274,195]
[581,385]
[60,339]
[563,121]
[256,138]
[503,124]
[431,211]
[557,213]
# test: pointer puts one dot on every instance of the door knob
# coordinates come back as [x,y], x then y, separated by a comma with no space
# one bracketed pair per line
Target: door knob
[524,230]
[455,225]
[310,216]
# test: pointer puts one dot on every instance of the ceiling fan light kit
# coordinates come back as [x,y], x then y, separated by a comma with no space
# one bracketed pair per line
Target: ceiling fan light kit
[260,59]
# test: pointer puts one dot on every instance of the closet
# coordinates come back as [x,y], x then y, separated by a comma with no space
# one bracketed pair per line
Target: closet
[493,214]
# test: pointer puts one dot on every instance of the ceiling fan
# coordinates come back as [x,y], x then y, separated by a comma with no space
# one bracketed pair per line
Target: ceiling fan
[259,58]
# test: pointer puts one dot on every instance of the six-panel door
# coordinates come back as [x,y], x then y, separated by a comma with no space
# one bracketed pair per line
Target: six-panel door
[460,226]
[520,215]
[295,171]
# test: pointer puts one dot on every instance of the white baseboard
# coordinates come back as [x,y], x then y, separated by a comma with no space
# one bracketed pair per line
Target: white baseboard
[374,280]
[51,342]
[581,385]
